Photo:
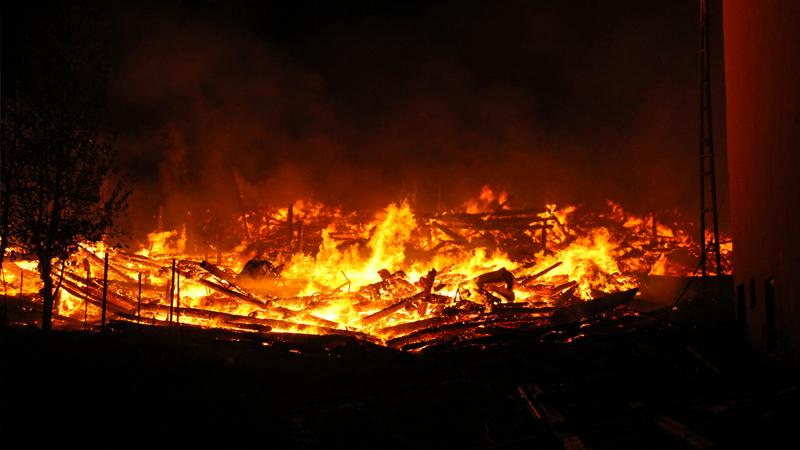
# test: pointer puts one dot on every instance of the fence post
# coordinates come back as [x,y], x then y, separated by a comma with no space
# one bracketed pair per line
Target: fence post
[105,293]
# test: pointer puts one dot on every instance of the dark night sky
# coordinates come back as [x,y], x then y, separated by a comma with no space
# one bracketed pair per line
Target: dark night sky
[360,103]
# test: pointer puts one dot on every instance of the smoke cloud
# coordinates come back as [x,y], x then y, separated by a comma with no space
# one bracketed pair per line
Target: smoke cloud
[429,103]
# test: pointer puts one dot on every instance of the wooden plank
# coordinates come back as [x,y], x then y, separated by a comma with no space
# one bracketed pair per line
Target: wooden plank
[230,292]
[533,277]
[97,301]
[583,310]
[388,311]
[235,320]
[94,285]
[428,282]
[217,272]
[450,233]
[100,261]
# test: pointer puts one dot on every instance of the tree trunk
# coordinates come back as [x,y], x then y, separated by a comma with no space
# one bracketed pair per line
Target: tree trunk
[4,228]
[45,266]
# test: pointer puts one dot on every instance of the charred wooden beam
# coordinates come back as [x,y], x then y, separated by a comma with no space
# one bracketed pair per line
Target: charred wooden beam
[410,327]
[427,283]
[583,310]
[501,275]
[316,320]
[388,311]
[138,259]
[566,295]
[450,233]
[230,292]
[523,281]
[75,289]
[238,292]
[476,325]
[236,320]
[77,280]
[559,289]
[100,261]
[510,309]
[217,272]
[527,213]
[67,320]
[489,222]
[507,294]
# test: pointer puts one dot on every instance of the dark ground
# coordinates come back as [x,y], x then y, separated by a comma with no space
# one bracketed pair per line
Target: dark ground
[625,383]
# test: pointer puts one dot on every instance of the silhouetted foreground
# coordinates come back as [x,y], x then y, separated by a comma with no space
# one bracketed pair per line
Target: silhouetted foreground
[612,386]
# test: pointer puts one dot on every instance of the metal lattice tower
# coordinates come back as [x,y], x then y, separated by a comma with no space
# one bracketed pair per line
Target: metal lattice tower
[708,176]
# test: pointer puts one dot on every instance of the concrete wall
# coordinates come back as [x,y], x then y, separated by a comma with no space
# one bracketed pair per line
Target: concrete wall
[762,70]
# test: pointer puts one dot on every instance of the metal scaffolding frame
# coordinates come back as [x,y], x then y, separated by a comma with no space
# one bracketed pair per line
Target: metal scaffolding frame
[708,176]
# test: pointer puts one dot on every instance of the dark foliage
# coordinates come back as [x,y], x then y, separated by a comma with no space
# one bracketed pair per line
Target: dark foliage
[60,186]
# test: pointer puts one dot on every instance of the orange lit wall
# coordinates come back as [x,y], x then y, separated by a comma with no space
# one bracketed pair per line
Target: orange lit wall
[762,69]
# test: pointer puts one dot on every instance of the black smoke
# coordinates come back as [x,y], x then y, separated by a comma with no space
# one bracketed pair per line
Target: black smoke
[232,105]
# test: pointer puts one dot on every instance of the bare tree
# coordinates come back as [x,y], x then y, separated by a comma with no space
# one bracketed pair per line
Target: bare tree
[67,188]
[62,187]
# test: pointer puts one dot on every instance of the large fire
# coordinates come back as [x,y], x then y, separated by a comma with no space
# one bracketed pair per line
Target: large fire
[314,269]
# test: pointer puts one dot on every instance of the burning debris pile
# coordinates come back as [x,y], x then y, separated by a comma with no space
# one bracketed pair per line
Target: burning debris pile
[396,279]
